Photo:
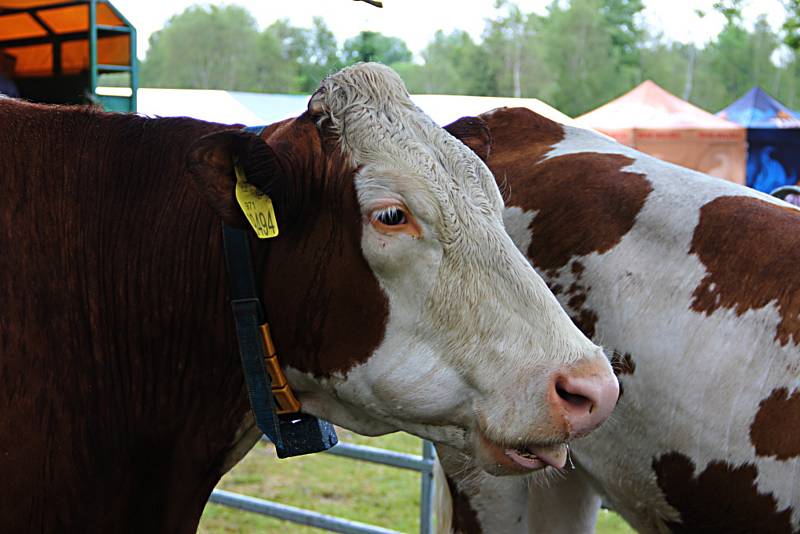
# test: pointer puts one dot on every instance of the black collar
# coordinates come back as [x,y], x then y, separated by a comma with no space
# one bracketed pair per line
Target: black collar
[295,433]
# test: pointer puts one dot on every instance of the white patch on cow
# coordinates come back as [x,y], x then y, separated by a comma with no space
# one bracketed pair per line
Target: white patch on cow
[498,509]
[472,330]
[443,500]
[518,225]
[685,395]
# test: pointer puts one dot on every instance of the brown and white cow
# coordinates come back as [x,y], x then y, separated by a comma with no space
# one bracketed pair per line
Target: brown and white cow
[694,283]
[391,290]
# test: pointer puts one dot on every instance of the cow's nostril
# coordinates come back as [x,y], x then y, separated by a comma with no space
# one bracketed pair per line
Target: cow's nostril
[585,396]
[576,401]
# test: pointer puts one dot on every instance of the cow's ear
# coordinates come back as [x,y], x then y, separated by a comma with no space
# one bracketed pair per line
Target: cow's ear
[211,163]
[473,132]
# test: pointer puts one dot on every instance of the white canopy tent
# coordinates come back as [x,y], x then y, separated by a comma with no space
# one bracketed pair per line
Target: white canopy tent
[252,109]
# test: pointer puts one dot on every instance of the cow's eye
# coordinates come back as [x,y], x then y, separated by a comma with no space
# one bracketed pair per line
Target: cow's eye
[391,216]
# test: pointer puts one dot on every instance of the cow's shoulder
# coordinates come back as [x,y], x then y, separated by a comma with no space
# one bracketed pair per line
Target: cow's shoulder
[750,247]
[576,184]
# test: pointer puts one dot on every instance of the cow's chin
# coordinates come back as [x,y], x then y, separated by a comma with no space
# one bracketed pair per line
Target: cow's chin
[499,460]
[494,458]
[347,415]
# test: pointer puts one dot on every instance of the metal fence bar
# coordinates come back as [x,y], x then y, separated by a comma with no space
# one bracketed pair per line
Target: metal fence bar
[423,465]
[295,515]
[381,456]
[426,490]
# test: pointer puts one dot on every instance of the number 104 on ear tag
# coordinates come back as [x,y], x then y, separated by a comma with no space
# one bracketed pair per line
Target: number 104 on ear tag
[257,207]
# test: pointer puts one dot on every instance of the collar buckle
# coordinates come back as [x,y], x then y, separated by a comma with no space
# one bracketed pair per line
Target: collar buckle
[285,400]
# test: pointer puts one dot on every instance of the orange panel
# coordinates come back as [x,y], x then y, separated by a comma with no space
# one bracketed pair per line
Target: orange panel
[37,60]
[22,4]
[69,19]
[114,50]
[106,16]
[19,26]
[26,3]
[110,51]
[34,60]
[74,57]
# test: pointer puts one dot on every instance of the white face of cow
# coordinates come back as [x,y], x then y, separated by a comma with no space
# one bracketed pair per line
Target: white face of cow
[476,351]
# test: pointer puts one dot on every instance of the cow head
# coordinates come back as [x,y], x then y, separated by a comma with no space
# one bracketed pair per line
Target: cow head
[396,299]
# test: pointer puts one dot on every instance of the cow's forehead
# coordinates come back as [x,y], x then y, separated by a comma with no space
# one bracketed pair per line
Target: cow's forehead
[368,108]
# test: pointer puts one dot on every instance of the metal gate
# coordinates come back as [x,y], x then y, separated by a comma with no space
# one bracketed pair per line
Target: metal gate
[422,464]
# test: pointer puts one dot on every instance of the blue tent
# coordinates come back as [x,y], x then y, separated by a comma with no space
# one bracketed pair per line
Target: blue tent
[773,139]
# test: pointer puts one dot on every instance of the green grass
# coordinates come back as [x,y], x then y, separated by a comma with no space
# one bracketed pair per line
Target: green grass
[610,523]
[360,491]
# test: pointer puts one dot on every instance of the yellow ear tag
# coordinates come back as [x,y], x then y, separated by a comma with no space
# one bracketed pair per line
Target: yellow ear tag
[257,206]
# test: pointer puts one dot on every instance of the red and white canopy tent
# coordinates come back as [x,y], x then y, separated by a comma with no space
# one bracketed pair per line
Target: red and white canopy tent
[659,123]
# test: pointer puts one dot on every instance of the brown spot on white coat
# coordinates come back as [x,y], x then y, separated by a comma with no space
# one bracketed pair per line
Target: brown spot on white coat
[751,251]
[721,499]
[776,427]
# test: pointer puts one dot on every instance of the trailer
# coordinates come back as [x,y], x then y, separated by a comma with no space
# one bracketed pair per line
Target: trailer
[60,49]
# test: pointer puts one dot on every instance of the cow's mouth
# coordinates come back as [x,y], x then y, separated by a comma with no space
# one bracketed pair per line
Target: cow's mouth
[538,457]
[504,460]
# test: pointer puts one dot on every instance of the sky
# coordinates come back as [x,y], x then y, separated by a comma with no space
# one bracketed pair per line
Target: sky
[415,21]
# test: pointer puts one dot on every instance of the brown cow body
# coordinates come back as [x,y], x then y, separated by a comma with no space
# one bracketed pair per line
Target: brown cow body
[121,390]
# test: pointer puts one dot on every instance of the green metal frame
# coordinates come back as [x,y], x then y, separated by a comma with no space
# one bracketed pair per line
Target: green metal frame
[109,102]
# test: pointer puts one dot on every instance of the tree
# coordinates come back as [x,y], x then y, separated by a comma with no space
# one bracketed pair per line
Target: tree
[581,54]
[320,56]
[203,48]
[580,57]
[731,10]
[788,91]
[763,44]
[791,26]
[415,76]
[454,64]
[736,61]
[691,64]
[506,40]
[667,63]
[626,34]
[293,40]
[374,46]
[275,70]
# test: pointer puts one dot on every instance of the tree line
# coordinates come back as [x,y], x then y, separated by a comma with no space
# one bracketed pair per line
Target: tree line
[577,56]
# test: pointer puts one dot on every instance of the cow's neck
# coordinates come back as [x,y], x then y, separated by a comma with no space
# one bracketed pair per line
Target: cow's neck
[149,358]
[326,310]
